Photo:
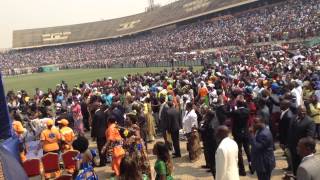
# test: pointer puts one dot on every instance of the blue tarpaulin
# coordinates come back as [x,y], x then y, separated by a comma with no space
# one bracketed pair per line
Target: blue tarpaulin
[9,141]
[5,122]
[12,169]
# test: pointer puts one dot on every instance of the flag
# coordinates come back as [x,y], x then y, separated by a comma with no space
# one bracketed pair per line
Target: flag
[5,127]
[9,142]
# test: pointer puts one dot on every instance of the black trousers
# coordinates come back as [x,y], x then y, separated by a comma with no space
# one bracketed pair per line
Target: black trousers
[243,140]
[264,175]
[165,138]
[176,142]
[101,141]
[296,160]
[210,148]
[86,123]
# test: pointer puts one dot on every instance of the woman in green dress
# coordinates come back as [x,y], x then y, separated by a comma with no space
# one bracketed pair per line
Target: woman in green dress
[163,166]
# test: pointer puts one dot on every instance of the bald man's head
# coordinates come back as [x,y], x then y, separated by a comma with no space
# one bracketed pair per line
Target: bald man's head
[285,104]
[302,111]
[222,132]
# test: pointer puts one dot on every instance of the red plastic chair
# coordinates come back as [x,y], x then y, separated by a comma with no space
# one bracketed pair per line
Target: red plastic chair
[69,160]
[64,177]
[50,164]
[32,167]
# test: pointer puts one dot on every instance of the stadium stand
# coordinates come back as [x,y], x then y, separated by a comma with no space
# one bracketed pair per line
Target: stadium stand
[172,13]
[281,21]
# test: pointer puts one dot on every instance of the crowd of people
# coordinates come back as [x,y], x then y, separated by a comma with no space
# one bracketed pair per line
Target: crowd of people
[281,21]
[268,97]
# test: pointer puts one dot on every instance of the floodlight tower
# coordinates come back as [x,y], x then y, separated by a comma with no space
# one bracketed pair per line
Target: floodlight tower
[151,4]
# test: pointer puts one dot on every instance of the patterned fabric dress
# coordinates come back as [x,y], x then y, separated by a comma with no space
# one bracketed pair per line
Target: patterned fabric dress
[138,153]
[113,136]
[77,117]
[86,171]
[136,149]
[193,146]
[150,121]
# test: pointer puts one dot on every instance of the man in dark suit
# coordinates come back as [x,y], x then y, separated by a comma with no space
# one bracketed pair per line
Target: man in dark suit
[309,166]
[174,125]
[118,111]
[99,126]
[263,111]
[286,118]
[263,160]
[240,132]
[302,126]
[85,114]
[207,129]
[162,119]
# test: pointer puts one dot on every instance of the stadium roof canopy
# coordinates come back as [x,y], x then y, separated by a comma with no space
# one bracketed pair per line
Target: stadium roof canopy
[166,15]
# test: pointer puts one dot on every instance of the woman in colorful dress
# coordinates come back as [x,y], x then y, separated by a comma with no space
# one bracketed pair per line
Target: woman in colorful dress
[134,144]
[163,166]
[147,110]
[114,143]
[141,122]
[84,169]
[77,116]
[314,109]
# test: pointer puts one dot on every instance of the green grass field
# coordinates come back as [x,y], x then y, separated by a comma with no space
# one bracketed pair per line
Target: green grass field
[72,77]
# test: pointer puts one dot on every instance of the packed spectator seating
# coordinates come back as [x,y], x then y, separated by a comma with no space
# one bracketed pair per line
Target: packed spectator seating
[282,21]
[158,17]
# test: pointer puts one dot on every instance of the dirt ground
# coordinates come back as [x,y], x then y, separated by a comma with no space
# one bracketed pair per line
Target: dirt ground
[185,170]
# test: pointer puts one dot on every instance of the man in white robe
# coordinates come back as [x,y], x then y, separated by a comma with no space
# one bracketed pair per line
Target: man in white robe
[226,156]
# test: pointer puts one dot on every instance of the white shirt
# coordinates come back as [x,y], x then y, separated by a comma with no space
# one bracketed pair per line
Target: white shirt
[189,121]
[283,113]
[213,96]
[306,157]
[257,91]
[227,160]
[298,96]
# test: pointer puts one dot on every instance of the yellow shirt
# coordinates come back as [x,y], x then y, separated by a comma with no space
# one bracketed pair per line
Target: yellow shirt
[67,134]
[50,139]
[307,94]
[315,112]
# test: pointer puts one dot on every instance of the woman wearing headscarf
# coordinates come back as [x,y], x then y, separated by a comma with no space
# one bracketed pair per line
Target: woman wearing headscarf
[134,144]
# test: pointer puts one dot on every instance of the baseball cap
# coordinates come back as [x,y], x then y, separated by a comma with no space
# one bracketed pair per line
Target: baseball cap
[50,122]
[63,122]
